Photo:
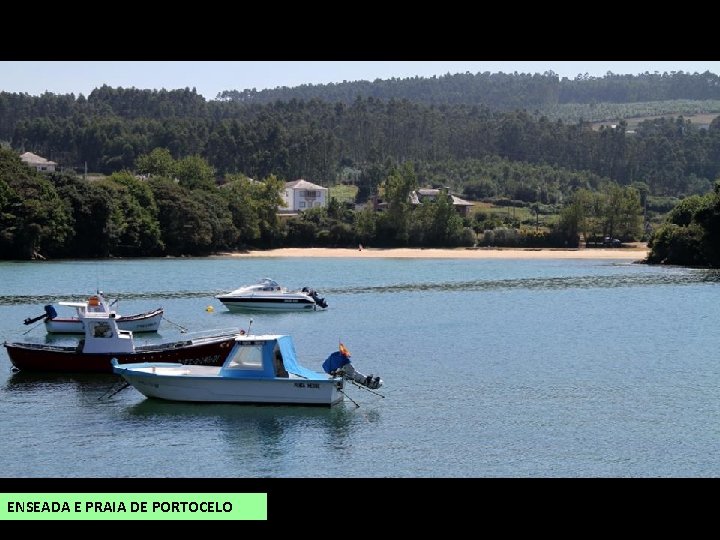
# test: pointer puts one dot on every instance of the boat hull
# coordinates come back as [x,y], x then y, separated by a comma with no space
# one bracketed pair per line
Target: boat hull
[47,358]
[145,322]
[180,383]
[265,304]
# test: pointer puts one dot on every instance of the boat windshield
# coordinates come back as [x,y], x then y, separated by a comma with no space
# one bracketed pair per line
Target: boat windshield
[246,357]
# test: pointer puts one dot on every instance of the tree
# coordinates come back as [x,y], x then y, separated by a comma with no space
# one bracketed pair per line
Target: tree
[266,195]
[194,172]
[183,220]
[397,189]
[240,196]
[366,224]
[437,223]
[140,232]
[621,212]
[96,219]
[159,162]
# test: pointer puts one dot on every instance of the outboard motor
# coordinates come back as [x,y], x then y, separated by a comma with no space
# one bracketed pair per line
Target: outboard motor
[339,365]
[312,293]
[49,314]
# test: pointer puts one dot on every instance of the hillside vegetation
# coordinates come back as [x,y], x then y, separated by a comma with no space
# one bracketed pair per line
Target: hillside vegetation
[526,144]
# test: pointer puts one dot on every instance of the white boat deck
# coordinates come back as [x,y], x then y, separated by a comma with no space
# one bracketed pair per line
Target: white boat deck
[192,371]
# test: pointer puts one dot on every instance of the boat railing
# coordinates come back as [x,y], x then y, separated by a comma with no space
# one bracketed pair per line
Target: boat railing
[200,335]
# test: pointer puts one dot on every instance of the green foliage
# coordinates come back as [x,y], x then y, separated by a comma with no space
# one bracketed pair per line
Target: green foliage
[97,224]
[34,222]
[471,133]
[397,188]
[436,223]
[685,211]
[675,244]
[301,232]
[267,200]
[140,233]
[316,139]
[501,90]
[609,111]
[159,162]
[366,224]
[691,234]
[661,205]
[193,172]
[239,193]
[343,193]
[186,229]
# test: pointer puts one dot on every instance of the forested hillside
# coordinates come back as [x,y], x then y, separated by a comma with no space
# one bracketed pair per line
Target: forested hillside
[503,91]
[515,139]
[315,139]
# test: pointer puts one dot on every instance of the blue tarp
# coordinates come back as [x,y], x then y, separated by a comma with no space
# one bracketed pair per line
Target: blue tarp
[335,361]
[287,348]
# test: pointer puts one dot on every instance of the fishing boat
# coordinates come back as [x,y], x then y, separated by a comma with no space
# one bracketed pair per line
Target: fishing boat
[141,322]
[103,340]
[268,295]
[260,369]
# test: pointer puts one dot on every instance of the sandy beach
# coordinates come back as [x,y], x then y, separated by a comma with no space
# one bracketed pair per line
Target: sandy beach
[634,253]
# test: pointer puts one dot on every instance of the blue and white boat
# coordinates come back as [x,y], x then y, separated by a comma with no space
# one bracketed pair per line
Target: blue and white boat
[258,369]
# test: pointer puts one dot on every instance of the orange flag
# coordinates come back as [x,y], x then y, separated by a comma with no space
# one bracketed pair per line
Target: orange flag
[344,350]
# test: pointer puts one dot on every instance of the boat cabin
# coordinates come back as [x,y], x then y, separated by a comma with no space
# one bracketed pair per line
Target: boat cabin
[265,357]
[102,335]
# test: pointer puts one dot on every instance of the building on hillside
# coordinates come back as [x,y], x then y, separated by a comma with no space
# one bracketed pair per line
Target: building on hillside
[40,164]
[427,194]
[301,195]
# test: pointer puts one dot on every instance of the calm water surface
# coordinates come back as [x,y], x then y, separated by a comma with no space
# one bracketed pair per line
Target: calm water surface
[492,368]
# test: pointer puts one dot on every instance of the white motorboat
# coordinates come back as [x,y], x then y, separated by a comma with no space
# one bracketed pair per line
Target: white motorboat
[268,295]
[258,369]
[141,322]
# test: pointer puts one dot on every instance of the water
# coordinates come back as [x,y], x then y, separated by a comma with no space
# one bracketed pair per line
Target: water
[492,368]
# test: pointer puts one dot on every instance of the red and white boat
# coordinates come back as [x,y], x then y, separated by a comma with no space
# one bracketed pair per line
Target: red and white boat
[142,322]
[103,340]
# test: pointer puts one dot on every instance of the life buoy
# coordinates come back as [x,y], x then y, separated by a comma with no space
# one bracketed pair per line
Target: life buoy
[93,301]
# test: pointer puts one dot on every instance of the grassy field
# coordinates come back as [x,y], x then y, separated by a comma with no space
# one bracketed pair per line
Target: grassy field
[702,119]
[512,214]
[343,193]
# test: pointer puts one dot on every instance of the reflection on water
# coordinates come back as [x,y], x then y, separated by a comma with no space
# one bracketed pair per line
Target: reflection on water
[269,437]
[271,419]
[21,381]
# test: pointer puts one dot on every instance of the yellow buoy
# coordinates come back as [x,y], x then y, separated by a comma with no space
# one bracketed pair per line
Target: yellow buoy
[209,309]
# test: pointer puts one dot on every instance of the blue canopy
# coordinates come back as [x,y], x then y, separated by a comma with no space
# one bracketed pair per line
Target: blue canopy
[287,348]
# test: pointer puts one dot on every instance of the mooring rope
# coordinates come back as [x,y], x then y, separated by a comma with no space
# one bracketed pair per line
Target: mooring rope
[182,328]
[351,399]
[123,386]
[365,388]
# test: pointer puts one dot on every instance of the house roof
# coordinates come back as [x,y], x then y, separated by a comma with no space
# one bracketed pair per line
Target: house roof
[427,192]
[302,184]
[34,159]
[457,201]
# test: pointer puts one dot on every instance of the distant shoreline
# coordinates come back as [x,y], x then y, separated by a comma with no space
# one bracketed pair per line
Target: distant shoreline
[637,253]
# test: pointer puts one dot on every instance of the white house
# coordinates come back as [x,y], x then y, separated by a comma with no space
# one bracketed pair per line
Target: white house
[301,195]
[40,164]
